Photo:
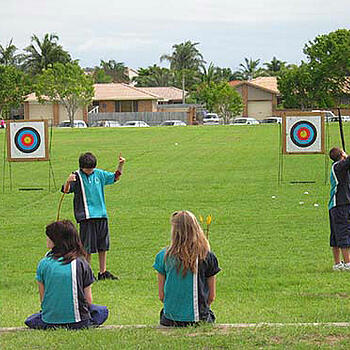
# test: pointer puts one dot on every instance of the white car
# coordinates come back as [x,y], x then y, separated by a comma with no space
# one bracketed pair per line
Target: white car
[211,119]
[107,123]
[136,124]
[244,121]
[272,120]
[76,124]
[329,115]
[173,123]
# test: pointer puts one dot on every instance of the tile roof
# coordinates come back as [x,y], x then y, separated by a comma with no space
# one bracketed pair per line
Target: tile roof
[114,91]
[166,93]
[235,82]
[269,83]
[266,83]
[32,98]
[122,92]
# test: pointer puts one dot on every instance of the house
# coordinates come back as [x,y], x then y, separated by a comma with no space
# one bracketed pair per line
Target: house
[108,98]
[116,97]
[259,96]
[48,110]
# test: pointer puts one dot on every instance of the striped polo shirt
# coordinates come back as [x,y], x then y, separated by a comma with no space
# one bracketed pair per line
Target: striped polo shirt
[340,183]
[64,300]
[186,297]
[89,197]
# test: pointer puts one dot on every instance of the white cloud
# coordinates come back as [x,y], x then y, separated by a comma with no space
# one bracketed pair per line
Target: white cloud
[138,32]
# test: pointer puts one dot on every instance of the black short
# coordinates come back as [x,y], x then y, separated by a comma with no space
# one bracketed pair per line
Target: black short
[94,234]
[210,318]
[339,218]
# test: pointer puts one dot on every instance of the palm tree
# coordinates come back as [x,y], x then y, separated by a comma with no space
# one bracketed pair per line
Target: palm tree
[209,75]
[275,66]
[42,54]
[154,76]
[116,70]
[8,56]
[250,69]
[185,58]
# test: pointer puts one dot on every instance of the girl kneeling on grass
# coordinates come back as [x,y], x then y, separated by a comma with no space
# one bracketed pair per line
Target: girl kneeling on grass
[186,274]
[64,278]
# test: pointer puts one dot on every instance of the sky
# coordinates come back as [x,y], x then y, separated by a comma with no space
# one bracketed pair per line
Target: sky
[138,32]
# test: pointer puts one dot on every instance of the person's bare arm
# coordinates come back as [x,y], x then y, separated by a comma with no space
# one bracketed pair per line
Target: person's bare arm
[41,290]
[71,178]
[88,294]
[161,281]
[121,163]
[212,289]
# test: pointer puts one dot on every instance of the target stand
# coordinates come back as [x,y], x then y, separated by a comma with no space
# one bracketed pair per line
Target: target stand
[303,133]
[27,141]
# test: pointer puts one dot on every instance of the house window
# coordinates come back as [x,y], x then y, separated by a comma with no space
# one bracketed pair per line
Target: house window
[126,106]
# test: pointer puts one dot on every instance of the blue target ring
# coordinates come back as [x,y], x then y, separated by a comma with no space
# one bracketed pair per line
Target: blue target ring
[303,134]
[27,140]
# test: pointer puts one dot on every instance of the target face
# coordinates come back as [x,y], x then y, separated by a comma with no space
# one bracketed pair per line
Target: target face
[27,140]
[303,133]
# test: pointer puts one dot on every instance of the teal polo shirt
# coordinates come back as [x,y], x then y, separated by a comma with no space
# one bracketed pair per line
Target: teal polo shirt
[186,297]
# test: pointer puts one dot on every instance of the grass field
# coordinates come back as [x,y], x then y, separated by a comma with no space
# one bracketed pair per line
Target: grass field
[274,252]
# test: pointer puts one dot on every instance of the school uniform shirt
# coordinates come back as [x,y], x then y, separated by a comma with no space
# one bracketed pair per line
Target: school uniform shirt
[340,183]
[64,300]
[89,197]
[186,297]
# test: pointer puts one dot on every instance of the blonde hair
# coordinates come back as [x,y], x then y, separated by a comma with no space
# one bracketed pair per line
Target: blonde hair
[188,242]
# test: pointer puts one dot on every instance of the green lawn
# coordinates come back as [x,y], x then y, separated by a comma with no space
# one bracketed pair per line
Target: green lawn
[274,252]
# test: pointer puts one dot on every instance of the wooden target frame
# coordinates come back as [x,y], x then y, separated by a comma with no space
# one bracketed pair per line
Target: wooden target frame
[311,124]
[27,140]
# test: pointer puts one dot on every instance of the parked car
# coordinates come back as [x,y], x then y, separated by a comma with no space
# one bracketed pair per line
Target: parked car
[76,124]
[107,123]
[173,123]
[329,115]
[211,119]
[271,120]
[244,121]
[136,124]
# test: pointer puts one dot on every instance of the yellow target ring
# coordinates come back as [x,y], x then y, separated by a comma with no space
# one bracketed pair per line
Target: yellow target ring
[27,140]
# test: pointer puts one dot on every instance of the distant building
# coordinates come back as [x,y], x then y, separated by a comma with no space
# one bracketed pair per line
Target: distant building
[108,98]
[259,96]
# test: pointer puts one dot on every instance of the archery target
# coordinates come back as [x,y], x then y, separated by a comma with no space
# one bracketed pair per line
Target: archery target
[304,134]
[27,140]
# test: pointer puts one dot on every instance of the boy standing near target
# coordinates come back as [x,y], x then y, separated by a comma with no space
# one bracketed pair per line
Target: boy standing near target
[87,183]
[339,208]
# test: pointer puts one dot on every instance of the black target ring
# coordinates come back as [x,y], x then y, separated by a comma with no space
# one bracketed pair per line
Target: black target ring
[303,134]
[27,140]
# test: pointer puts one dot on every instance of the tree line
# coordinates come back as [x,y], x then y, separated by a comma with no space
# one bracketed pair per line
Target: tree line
[321,80]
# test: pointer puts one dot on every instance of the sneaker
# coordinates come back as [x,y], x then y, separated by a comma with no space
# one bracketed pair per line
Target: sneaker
[346,267]
[340,266]
[106,276]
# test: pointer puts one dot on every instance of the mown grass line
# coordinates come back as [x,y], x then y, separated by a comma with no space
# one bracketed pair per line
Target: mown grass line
[274,254]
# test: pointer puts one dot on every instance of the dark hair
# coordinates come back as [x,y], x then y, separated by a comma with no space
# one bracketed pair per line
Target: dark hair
[335,153]
[66,239]
[87,160]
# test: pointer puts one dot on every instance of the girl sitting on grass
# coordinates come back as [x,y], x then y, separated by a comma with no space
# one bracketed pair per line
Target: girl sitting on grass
[186,274]
[64,278]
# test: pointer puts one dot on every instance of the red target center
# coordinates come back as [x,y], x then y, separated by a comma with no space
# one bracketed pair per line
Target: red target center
[27,140]
[303,133]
